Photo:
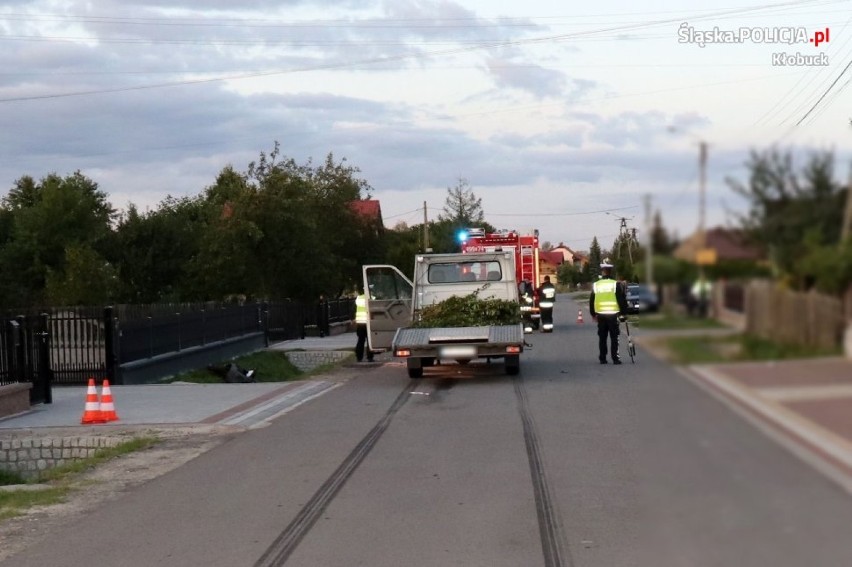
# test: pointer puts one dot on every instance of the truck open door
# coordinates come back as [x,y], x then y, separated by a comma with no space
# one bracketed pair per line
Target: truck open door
[389,298]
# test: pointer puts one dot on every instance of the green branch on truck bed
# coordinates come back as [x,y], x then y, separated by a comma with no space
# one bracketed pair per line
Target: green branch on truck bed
[469,311]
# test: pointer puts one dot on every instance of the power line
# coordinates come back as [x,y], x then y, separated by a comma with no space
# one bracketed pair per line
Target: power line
[401,214]
[417,56]
[558,214]
[831,86]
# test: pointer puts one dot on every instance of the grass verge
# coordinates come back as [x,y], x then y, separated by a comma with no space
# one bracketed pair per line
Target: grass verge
[269,366]
[736,348]
[674,322]
[15,502]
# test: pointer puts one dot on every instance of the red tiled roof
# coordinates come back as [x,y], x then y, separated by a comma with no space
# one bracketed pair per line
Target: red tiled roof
[729,244]
[368,208]
[552,257]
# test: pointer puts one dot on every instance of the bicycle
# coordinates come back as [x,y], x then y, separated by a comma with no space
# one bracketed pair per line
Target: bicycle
[631,348]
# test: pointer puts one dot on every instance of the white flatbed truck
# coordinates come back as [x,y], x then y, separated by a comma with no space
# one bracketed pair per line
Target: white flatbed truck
[394,302]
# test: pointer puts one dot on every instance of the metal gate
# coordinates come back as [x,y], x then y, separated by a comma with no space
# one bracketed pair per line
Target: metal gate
[25,355]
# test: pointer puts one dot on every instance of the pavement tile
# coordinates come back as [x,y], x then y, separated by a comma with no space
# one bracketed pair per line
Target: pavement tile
[816,371]
[834,415]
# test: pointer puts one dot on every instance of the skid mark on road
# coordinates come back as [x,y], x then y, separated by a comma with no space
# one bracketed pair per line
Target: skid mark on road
[556,553]
[277,553]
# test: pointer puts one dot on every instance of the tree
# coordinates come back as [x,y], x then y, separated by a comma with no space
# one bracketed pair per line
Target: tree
[461,207]
[789,212]
[284,229]
[593,268]
[625,254]
[87,279]
[569,275]
[661,241]
[402,245]
[157,248]
[45,221]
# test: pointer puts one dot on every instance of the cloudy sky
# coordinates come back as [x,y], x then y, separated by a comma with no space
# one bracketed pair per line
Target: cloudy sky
[560,118]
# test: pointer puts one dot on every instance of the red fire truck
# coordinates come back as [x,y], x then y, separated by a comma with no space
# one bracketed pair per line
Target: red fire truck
[526,250]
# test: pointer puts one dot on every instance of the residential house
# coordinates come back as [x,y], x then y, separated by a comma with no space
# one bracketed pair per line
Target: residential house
[577,259]
[727,244]
[370,210]
[548,265]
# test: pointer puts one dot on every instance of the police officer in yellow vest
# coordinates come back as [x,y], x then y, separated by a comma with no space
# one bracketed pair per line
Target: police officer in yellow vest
[608,306]
[361,329]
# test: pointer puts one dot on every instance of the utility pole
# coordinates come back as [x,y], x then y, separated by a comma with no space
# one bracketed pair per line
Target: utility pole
[702,188]
[649,247]
[425,229]
[846,232]
[702,235]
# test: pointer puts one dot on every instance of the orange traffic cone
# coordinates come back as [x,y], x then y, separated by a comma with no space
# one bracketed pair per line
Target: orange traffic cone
[580,317]
[107,406]
[92,413]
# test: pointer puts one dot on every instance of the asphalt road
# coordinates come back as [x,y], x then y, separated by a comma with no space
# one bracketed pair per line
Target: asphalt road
[570,464]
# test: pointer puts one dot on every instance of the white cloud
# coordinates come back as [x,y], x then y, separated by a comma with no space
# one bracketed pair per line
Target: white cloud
[415,93]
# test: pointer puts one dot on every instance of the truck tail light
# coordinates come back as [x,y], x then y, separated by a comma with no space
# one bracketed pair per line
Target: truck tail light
[402,352]
[513,349]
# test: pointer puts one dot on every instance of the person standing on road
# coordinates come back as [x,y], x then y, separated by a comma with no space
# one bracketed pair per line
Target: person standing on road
[546,299]
[361,329]
[608,306]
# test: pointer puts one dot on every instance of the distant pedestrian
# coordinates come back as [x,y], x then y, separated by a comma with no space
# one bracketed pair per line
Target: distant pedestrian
[700,294]
[608,306]
[361,329]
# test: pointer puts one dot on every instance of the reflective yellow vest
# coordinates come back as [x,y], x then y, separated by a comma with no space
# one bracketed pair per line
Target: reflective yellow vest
[361,310]
[605,301]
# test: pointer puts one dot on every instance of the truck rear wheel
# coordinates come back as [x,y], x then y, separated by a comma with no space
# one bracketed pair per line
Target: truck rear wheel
[415,368]
[513,365]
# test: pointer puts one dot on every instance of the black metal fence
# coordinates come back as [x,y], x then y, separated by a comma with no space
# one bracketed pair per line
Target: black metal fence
[292,320]
[70,345]
[25,355]
[166,330]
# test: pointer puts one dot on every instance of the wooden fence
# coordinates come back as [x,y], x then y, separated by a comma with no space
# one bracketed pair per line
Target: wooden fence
[811,319]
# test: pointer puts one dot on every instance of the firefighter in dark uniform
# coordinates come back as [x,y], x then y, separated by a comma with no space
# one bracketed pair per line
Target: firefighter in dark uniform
[527,298]
[546,299]
[608,306]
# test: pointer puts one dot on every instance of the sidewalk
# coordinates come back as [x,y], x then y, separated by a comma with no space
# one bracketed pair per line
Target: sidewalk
[245,405]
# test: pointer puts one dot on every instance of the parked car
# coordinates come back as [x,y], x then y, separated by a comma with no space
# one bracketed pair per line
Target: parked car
[640,299]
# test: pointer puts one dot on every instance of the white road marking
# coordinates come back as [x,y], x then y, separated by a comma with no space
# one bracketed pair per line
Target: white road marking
[264,413]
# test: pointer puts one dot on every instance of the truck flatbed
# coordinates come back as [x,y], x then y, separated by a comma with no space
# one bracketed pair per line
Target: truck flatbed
[492,336]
